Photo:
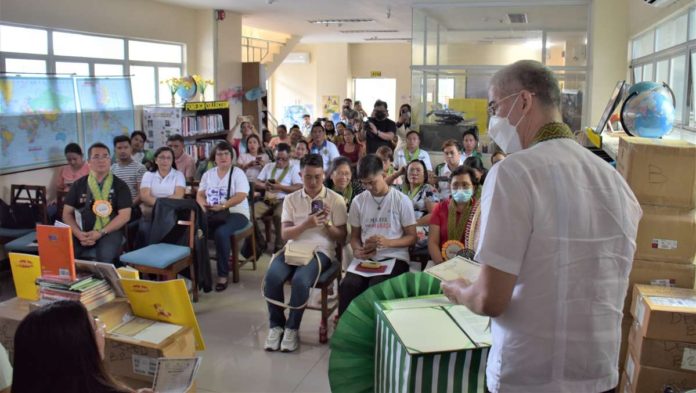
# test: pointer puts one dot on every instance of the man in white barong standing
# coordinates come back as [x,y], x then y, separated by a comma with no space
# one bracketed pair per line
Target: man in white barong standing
[558,229]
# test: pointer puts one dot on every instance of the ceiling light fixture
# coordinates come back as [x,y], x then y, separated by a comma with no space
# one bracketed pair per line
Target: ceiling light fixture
[368,31]
[327,22]
[375,38]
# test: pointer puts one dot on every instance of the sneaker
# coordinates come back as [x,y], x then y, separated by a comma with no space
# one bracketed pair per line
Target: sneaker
[290,341]
[273,339]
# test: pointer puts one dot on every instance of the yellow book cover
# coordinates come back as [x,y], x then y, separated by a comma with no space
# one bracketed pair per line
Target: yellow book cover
[26,268]
[128,272]
[166,301]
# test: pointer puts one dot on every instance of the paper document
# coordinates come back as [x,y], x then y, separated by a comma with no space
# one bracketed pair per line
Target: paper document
[419,302]
[175,375]
[146,330]
[475,326]
[443,334]
[389,263]
[60,224]
[457,267]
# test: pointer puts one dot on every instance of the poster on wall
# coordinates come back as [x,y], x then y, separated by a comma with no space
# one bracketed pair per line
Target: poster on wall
[331,107]
[292,114]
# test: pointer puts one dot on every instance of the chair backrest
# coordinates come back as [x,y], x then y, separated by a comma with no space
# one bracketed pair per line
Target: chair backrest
[31,195]
[191,223]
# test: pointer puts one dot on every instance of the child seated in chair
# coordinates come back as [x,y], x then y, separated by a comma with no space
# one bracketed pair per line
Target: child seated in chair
[312,218]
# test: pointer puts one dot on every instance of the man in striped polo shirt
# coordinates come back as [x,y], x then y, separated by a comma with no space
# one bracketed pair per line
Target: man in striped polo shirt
[128,170]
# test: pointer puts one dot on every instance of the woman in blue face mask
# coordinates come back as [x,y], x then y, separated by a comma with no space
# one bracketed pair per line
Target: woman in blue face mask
[454,221]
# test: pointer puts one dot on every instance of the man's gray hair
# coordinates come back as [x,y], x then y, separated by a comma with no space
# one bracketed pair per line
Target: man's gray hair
[529,75]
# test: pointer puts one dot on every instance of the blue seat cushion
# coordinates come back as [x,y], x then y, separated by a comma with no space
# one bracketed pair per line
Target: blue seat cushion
[23,244]
[14,233]
[244,228]
[158,256]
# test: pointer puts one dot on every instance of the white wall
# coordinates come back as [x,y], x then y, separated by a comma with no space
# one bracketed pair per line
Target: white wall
[145,19]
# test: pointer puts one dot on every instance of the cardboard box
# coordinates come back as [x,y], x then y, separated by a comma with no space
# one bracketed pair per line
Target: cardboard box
[12,312]
[666,235]
[664,313]
[659,171]
[670,355]
[645,379]
[626,324]
[664,274]
[128,358]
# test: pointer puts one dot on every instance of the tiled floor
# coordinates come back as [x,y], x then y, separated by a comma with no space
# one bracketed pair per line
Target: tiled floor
[234,325]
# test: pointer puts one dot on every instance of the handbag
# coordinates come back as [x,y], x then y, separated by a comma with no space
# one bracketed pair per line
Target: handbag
[219,218]
[299,253]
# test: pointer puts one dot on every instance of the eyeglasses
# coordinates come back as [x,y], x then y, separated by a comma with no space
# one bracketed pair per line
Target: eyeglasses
[494,105]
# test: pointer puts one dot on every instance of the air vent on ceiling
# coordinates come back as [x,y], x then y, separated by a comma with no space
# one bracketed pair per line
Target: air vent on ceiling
[517,18]
[368,31]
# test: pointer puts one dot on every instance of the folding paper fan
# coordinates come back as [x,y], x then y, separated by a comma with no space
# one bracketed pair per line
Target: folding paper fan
[351,365]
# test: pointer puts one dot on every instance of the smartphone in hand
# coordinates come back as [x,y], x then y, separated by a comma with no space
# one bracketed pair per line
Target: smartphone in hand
[317,206]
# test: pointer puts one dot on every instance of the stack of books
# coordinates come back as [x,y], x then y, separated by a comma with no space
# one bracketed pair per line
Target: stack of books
[90,291]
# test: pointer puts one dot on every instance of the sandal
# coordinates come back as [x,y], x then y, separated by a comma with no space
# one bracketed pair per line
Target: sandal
[221,286]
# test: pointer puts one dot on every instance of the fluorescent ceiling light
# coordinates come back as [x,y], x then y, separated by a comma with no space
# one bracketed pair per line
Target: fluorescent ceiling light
[339,21]
[368,31]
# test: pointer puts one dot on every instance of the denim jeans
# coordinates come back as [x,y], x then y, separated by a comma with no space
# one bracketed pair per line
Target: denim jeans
[234,223]
[302,280]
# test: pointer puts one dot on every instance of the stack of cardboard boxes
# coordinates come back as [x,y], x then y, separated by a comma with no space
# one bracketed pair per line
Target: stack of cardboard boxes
[662,174]
[662,341]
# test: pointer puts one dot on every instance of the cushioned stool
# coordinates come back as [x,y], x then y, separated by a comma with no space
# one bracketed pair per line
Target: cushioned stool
[166,260]
[23,244]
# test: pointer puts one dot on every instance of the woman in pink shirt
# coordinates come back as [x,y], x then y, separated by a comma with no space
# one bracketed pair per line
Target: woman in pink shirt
[75,169]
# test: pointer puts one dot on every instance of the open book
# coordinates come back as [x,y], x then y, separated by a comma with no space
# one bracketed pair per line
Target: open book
[457,267]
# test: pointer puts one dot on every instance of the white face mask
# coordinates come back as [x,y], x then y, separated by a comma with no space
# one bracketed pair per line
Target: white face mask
[503,133]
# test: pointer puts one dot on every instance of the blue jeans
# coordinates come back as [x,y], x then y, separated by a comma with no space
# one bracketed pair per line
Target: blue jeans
[234,223]
[302,280]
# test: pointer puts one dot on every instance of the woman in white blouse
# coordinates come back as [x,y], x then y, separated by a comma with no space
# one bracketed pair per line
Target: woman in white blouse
[222,194]
[164,181]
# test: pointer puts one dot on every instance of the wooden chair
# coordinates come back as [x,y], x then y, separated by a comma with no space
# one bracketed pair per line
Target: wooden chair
[167,260]
[248,231]
[30,195]
[326,280]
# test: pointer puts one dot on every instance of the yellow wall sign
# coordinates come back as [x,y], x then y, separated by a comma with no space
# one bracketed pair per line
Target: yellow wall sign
[198,106]
[375,74]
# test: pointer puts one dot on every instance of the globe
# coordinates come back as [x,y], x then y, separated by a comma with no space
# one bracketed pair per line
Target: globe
[187,90]
[648,110]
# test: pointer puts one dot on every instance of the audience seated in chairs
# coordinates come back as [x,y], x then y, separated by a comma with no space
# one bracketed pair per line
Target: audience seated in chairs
[456,218]
[313,218]
[412,152]
[301,150]
[320,145]
[393,177]
[222,194]
[60,348]
[476,164]
[423,197]
[277,180]
[184,162]
[66,176]
[254,159]
[164,181]
[383,226]
[453,160]
[282,137]
[104,203]
[470,141]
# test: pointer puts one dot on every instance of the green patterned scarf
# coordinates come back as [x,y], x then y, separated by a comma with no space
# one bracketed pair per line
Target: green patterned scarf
[551,131]
[100,193]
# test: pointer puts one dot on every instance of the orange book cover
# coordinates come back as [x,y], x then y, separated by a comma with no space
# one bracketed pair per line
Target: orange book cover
[56,251]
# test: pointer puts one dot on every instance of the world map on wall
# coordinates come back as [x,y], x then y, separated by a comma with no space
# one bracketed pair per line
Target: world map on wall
[38,118]
[107,108]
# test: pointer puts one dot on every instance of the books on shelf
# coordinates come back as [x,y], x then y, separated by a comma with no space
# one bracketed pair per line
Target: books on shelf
[191,125]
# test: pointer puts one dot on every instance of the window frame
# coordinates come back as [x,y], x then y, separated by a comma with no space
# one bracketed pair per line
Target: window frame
[51,58]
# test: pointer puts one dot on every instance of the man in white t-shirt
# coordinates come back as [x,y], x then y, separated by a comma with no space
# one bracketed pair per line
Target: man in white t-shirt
[383,226]
[277,179]
[558,229]
[412,152]
[320,145]
[314,217]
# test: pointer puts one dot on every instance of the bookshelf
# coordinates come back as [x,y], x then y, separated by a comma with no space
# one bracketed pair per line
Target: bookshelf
[200,123]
